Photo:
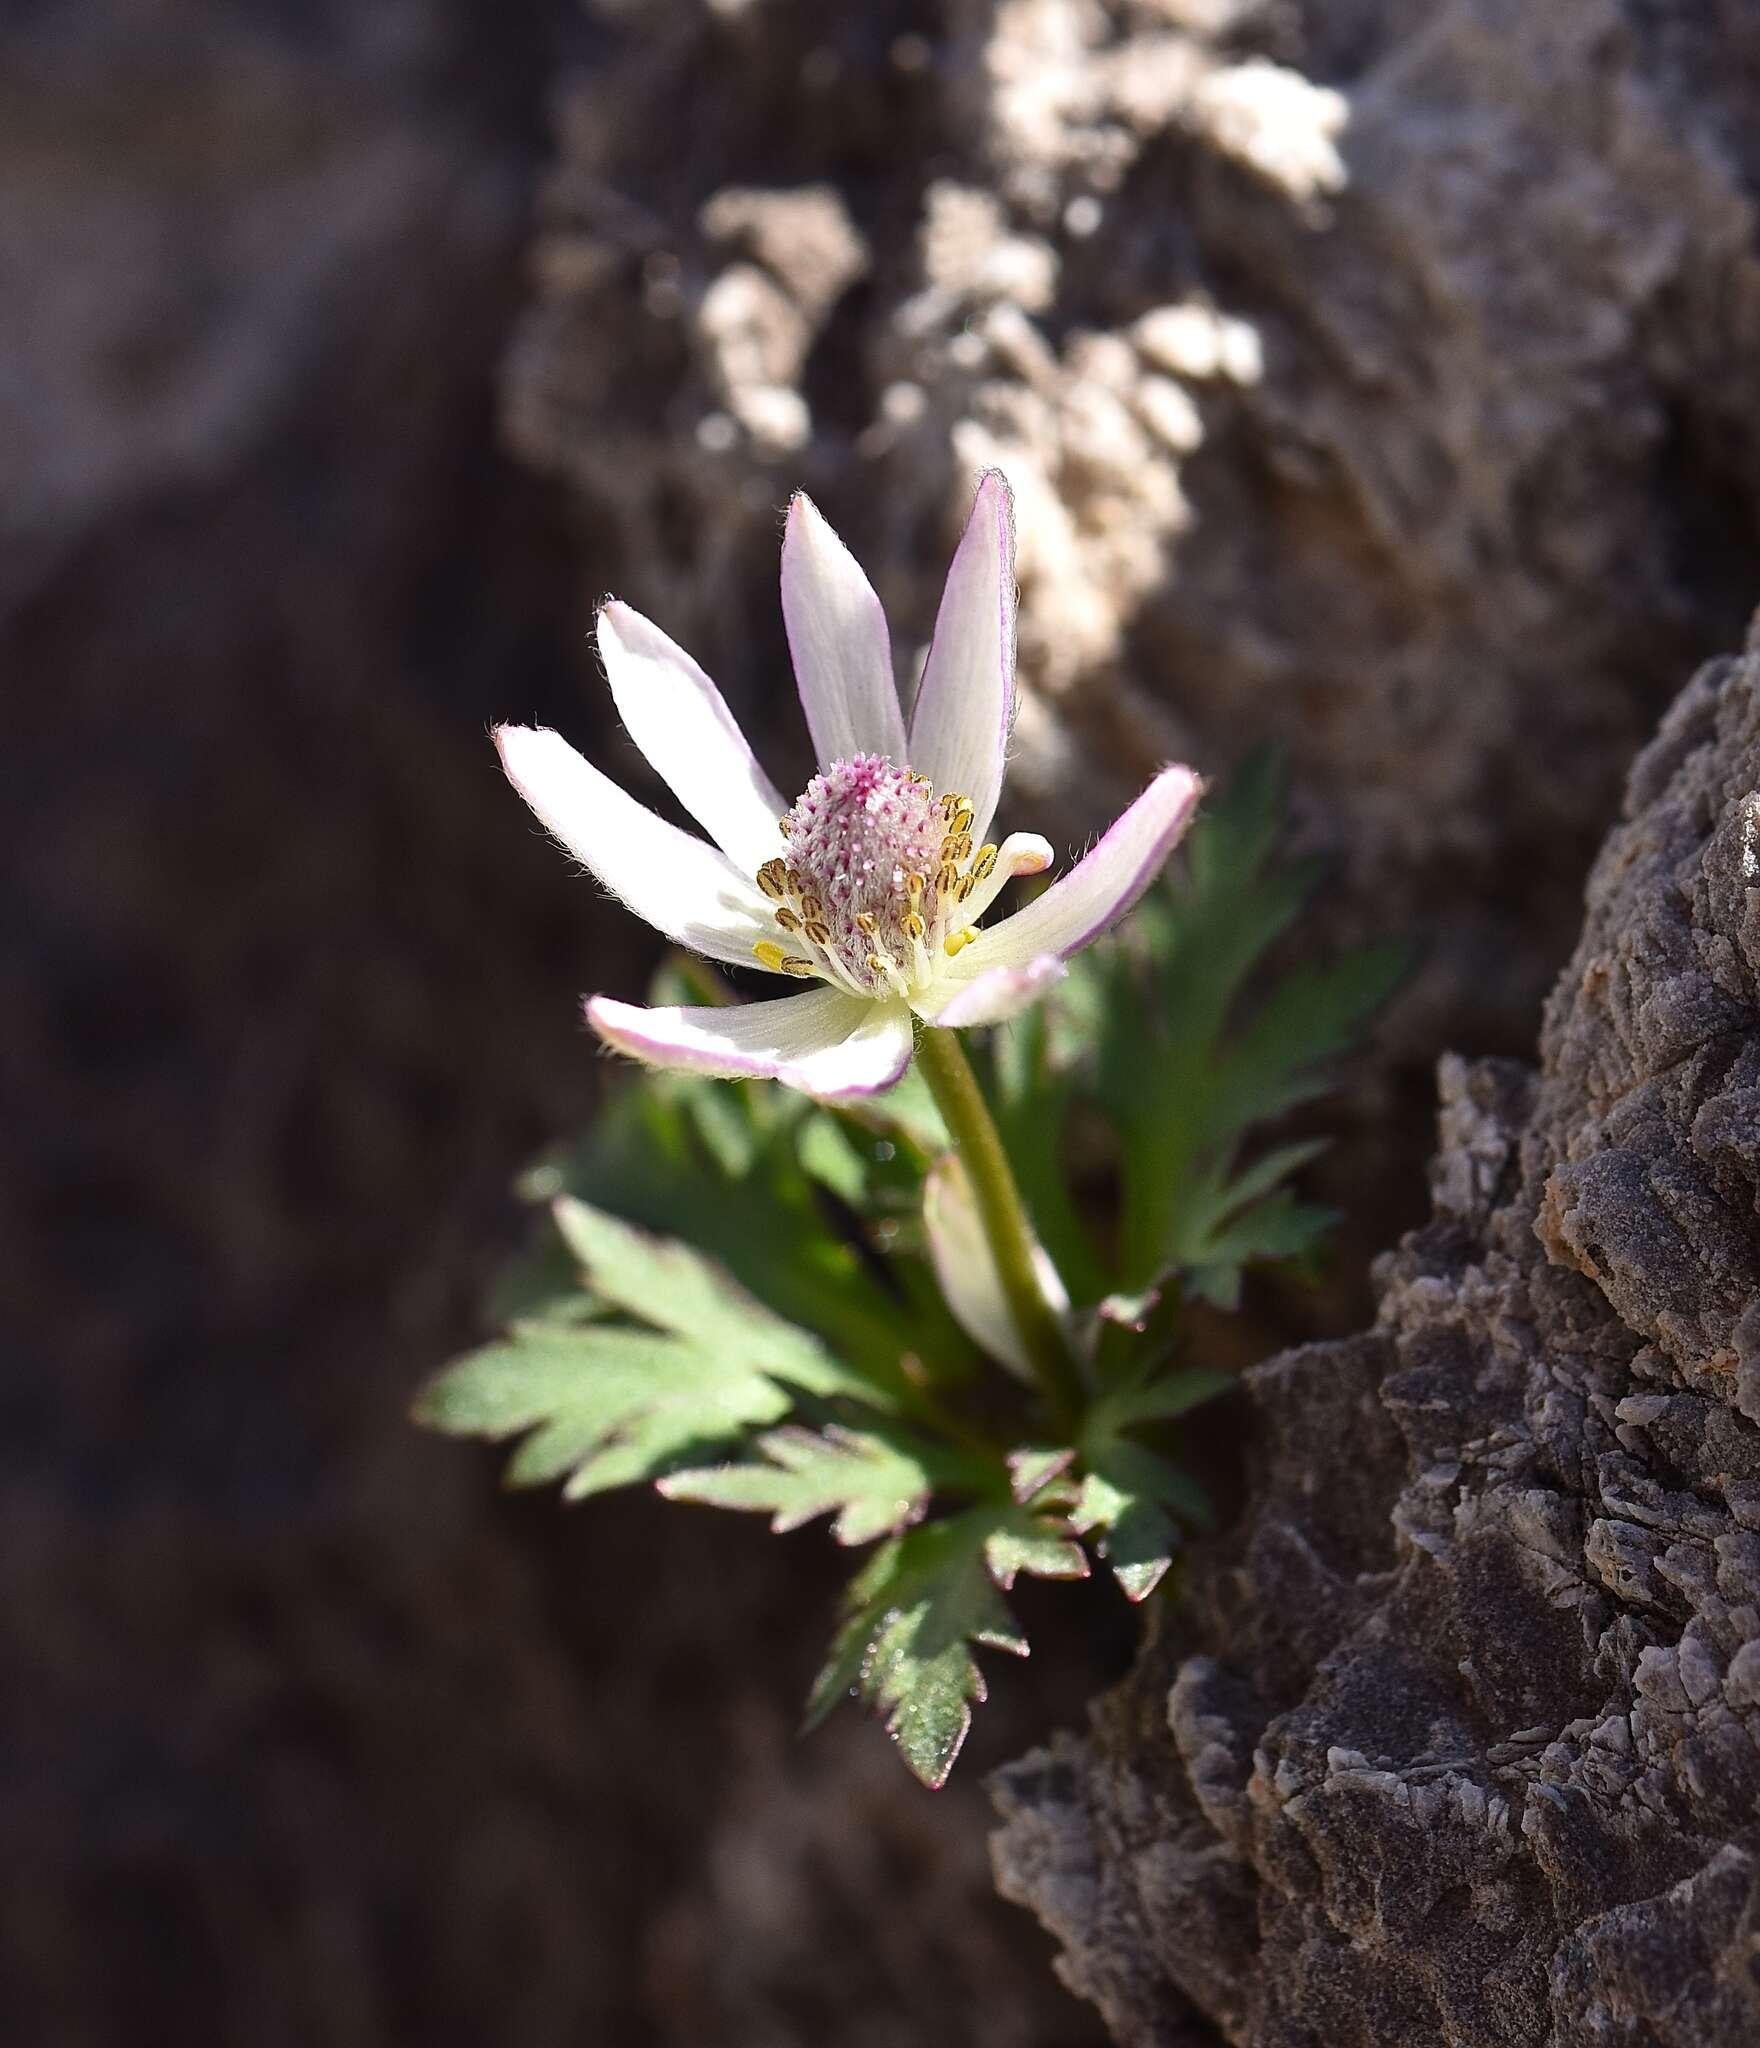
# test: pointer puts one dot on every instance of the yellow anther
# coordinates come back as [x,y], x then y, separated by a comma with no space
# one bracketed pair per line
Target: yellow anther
[802,970]
[787,919]
[770,955]
[985,864]
[946,877]
[818,931]
[914,927]
[957,942]
[962,847]
[962,818]
[964,887]
[950,803]
[876,965]
[867,923]
[914,884]
[773,878]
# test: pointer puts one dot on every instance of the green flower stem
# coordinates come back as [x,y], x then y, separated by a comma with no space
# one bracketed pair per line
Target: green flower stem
[1004,1217]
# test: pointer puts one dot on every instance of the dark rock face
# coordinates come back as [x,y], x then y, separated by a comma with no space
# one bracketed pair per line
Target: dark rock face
[1459,1741]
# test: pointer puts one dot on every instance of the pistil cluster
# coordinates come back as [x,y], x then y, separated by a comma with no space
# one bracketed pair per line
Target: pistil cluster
[881,873]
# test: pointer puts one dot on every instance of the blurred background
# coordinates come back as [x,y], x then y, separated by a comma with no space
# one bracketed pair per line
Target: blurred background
[1376,377]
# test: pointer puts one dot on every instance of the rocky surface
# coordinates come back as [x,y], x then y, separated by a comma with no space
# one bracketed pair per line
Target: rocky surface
[1378,377]
[1458,1740]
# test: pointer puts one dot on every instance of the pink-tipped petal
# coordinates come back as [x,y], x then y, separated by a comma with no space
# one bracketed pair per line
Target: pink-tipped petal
[839,644]
[1098,890]
[992,997]
[823,1042]
[965,701]
[678,718]
[966,1269]
[681,885]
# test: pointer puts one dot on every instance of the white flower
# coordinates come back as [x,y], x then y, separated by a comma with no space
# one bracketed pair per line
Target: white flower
[874,882]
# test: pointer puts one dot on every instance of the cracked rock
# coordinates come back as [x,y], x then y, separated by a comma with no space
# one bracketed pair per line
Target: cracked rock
[1461,1732]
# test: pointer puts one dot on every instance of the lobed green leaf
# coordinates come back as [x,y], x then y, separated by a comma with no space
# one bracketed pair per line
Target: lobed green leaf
[912,1616]
[876,1481]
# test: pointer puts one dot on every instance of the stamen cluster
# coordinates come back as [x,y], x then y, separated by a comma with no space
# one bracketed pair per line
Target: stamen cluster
[879,873]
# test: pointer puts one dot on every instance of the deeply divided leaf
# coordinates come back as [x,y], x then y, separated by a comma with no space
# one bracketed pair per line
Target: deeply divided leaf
[1195,1046]
[913,1615]
[690,1365]
[601,1405]
[1129,1500]
[874,1481]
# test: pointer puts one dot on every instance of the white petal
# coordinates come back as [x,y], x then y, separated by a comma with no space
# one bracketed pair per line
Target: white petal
[965,702]
[992,997]
[823,1042]
[1097,891]
[677,717]
[838,642]
[681,885]
[967,1271]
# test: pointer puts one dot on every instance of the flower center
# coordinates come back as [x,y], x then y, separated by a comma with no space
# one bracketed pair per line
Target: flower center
[876,881]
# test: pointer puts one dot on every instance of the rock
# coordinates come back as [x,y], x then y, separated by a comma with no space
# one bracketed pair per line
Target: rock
[1378,378]
[1461,1739]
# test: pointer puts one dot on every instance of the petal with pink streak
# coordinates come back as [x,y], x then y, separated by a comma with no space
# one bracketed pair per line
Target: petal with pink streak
[1097,891]
[823,1042]
[992,997]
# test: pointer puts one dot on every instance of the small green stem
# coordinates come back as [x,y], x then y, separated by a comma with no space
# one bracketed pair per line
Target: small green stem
[1004,1217]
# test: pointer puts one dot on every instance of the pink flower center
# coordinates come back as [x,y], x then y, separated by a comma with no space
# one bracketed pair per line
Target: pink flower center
[876,868]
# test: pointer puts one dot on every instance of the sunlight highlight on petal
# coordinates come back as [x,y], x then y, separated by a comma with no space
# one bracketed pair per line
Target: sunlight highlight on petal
[681,885]
[839,644]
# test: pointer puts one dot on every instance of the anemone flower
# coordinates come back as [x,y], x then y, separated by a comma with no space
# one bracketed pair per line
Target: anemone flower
[874,883]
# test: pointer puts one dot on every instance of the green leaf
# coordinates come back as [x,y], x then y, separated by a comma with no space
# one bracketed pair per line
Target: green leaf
[1129,1499]
[1033,1467]
[1196,1049]
[717,1163]
[1130,1495]
[876,1482]
[913,1614]
[906,1111]
[1162,1399]
[675,1288]
[826,1150]
[606,1403]
[1311,1016]
[1032,1102]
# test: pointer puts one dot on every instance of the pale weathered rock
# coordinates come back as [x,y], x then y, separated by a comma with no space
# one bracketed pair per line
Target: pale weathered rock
[1462,1727]
[1379,378]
